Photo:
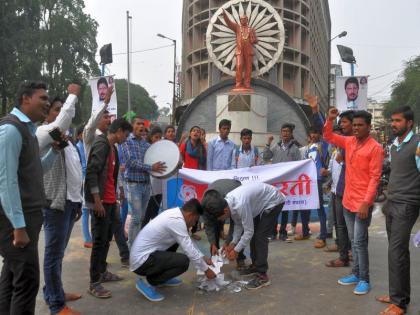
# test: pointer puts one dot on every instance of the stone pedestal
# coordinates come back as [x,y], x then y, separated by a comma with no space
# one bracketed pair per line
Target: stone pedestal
[245,110]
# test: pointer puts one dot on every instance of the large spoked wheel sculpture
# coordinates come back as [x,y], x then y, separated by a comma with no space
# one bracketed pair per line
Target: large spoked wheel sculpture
[221,41]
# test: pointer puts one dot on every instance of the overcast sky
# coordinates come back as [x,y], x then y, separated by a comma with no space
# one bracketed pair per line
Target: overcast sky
[382,33]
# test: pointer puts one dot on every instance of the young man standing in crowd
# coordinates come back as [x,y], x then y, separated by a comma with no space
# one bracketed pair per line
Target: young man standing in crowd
[154,255]
[219,157]
[63,189]
[318,151]
[100,195]
[137,177]
[254,207]
[402,208]
[364,157]
[85,211]
[285,151]
[220,149]
[22,199]
[342,238]
[245,155]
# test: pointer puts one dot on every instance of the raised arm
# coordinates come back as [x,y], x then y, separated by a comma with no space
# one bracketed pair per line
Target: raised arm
[232,25]
[329,135]
[90,128]
[63,120]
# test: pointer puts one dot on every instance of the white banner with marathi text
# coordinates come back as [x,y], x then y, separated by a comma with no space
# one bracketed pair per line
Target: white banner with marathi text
[296,180]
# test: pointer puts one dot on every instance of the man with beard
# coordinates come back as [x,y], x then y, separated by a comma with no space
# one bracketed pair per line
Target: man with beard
[402,209]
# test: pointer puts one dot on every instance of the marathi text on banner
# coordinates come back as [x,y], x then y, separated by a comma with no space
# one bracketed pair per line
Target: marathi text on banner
[296,180]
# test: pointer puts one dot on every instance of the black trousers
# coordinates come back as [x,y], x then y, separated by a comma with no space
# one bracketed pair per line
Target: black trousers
[263,227]
[152,209]
[343,241]
[283,224]
[400,219]
[19,281]
[241,256]
[102,230]
[162,266]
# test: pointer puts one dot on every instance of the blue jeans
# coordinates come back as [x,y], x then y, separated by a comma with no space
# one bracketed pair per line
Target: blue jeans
[359,237]
[57,228]
[85,225]
[124,206]
[138,197]
[321,213]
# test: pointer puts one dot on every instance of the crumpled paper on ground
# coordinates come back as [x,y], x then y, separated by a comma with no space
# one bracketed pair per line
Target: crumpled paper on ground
[416,239]
[217,283]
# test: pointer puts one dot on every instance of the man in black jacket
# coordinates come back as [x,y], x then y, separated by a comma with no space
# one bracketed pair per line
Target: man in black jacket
[100,195]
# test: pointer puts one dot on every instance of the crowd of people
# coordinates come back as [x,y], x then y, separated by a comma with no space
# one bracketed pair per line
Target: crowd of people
[51,176]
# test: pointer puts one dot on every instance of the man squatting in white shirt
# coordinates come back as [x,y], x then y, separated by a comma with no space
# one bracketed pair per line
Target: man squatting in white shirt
[153,253]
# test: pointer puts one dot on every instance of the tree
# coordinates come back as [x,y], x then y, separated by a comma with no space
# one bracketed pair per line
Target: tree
[49,40]
[141,103]
[164,111]
[19,38]
[407,90]
[68,38]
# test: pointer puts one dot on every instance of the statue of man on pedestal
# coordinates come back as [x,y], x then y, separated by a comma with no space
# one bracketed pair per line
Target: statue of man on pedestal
[245,39]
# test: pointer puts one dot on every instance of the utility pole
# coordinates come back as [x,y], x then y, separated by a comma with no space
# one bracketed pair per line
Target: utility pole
[128,67]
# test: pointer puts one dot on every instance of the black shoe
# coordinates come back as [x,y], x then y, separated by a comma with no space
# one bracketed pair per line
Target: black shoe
[329,235]
[248,271]
[258,282]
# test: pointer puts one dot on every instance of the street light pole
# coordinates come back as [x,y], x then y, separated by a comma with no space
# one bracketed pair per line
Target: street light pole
[342,34]
[128,67]
[174,79]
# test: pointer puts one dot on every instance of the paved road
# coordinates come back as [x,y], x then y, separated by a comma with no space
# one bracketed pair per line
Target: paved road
[300,284]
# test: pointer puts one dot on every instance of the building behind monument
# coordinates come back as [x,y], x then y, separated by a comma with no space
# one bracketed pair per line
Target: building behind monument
[303,67]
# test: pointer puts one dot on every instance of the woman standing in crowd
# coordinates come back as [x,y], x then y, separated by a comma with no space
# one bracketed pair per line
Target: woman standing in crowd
[194,153]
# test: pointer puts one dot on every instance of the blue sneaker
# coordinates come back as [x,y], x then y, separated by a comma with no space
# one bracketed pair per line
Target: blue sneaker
[149,292]
[349,280]
[361,288]
[174,282]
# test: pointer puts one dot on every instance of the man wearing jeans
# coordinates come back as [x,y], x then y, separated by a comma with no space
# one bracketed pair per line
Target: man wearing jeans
[137,177]
[402,209]
[346,128]
[63,187]
[364,157]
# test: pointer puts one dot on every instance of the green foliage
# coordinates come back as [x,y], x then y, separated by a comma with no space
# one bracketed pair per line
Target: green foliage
[141,103]
[49,40]
[407,90]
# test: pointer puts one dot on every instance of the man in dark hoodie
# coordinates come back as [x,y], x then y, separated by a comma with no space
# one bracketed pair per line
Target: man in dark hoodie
[100,195]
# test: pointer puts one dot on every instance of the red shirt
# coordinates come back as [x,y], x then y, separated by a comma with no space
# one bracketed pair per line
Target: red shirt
[363,167]
[109,191]
[189,162]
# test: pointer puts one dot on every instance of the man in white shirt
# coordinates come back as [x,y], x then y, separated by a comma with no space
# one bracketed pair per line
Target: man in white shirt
[153,253]
[63,186]
[253,207]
